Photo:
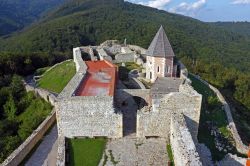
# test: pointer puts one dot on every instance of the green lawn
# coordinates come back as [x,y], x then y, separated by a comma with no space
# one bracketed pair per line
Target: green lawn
[86,152]
[57,78]
[212,113]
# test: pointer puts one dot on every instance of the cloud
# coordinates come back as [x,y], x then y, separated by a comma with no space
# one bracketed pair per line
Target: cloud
[188,8]
[238,2]
[159,4]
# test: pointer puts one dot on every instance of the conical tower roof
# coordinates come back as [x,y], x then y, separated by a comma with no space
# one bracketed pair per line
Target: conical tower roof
[160,46]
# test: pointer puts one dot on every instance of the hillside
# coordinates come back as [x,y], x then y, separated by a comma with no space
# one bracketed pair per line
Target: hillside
[242,28]
[16,14]
[84,22]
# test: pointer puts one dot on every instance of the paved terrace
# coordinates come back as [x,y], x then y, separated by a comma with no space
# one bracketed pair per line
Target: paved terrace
[99,80]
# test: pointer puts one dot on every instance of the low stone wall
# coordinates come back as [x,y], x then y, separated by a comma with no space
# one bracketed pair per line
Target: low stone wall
[40,76]
[183,147]
[81,67]
[242,148]
[127,57]
[61,152]
[25,148]
[46,95]
[81,70]
[136,83]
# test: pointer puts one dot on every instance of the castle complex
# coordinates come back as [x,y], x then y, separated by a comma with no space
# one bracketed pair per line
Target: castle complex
[96,103]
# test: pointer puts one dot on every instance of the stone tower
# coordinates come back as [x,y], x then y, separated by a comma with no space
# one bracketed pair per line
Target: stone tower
[160,57]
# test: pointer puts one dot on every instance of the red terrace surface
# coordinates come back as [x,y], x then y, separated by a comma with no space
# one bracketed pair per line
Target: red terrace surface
[99,80]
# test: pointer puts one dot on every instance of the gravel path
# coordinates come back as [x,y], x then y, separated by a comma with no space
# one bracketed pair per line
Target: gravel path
[135,152]
[46,152]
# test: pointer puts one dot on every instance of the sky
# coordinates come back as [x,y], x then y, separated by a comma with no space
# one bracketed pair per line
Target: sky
[204,10]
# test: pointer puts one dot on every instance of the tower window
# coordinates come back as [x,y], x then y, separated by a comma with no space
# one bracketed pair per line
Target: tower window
[158,69]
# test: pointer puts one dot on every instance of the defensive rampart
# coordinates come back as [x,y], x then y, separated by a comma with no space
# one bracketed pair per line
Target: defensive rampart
[242,148]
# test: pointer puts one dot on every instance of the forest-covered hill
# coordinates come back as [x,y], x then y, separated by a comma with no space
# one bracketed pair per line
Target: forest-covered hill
[218,54]
[16,14]
[242,28]
[84,22]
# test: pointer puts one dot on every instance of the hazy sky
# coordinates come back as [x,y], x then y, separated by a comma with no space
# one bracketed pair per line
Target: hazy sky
[205,10]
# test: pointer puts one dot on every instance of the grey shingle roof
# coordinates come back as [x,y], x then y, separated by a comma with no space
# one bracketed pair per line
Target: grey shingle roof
[165,85]
[160,46]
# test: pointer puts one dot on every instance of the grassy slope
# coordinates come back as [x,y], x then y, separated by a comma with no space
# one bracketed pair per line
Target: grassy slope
[87,152]
[216,116]
[56,79]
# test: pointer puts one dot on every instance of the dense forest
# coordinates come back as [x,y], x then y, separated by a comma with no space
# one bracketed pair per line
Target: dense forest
[219,53]
[85,22]
[242,28]
[20,113]
[16,14]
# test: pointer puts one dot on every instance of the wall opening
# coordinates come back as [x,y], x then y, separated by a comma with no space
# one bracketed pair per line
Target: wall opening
[129,109]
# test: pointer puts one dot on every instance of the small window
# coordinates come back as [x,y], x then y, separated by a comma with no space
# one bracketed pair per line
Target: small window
[167,69]
[158,69]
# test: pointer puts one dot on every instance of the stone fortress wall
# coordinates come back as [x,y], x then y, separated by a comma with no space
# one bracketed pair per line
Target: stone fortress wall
[91,116]
[86,115]
[176,117]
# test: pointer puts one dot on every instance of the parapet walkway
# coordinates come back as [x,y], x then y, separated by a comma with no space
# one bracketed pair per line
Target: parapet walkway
[46,152]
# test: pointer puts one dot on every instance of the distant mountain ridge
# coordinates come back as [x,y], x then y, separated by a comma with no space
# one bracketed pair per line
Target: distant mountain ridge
[16,14]
[85,22]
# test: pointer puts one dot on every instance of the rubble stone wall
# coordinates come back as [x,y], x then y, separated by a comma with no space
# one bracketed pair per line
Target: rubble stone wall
[156,122]
[89,116]
[127,57]
[137,49]
[183,147]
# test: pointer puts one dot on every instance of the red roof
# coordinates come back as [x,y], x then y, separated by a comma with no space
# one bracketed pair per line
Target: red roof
[99,80]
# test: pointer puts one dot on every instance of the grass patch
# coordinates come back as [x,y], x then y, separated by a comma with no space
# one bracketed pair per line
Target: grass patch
[213,116]
[57,78]
[87,152]
[170,154]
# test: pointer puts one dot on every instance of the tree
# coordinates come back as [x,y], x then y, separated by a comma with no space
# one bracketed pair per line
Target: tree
[10,108]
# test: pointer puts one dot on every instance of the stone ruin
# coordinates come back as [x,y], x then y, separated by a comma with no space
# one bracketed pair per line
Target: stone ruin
[172,113]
